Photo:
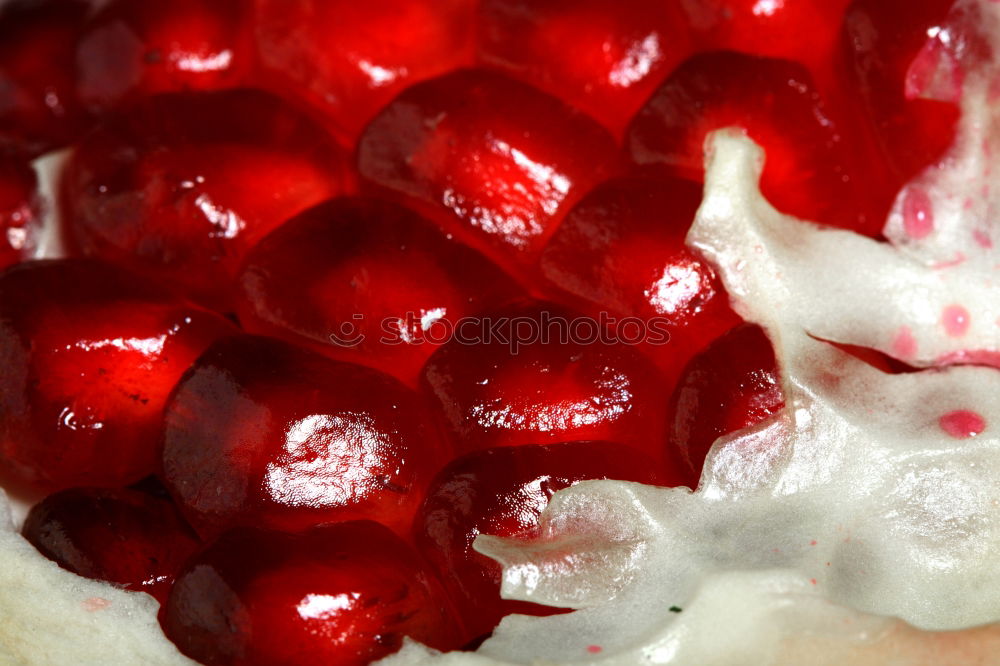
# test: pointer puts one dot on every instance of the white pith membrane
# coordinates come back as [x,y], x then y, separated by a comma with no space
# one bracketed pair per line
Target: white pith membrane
[809,534]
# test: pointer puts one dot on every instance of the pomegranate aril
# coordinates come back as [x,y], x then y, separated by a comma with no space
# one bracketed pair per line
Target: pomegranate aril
[802,30]
[260,432]
[622,248]
[121,536]
[344,594]
[182,185]
[881,42]
[809,170]
[603,56]
[535,377]
[362,267]
[89,354]
[19,209]
[39,108]
[733,384]
[502,491]
[131,49]
[348,59]
[491,160]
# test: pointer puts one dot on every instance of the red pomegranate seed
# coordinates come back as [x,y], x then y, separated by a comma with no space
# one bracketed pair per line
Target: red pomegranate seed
[808,171]
[180,187]
[731,385]
[603,56]
[622,248]
[121,536]
[39,108]
[262,433]
[362,267]
[801,30]
[537,374]
[135,49]
[881,41]
[19,209]
[89,355]
[502,492]
[344,594]
[348,59]
[489,159]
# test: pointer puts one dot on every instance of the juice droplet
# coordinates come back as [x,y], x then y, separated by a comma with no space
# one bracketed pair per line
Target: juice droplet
[955,320]
[594,649]
[904,345]
[962,423]
[982,239]
[918,215]
[93,604]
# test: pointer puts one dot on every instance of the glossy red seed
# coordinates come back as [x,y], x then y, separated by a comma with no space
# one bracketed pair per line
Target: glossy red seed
[809,170]
[537,374]
[180,187]
[622,248]
[502,492]
[491,160]
[366,281]
[348,59]
[121,536]
[19,210]
[260,432]
[89,354]
[39,108]
[881,41]
[344,594]
[603,56]
[801,30]
[731,385]
[132,49]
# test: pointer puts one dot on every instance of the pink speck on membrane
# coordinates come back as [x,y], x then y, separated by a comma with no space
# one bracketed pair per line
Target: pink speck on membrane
[962,423]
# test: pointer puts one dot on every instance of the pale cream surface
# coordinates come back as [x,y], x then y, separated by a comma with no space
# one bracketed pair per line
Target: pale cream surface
[809,533]
[49,616]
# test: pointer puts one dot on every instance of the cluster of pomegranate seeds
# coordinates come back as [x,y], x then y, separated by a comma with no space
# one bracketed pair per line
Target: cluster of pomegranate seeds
[19,209]
[180,186]
[308,279]
[461,223]
[124,536]
[502,491]
[134,49]
[260,432]
[346,594]
[89,354]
